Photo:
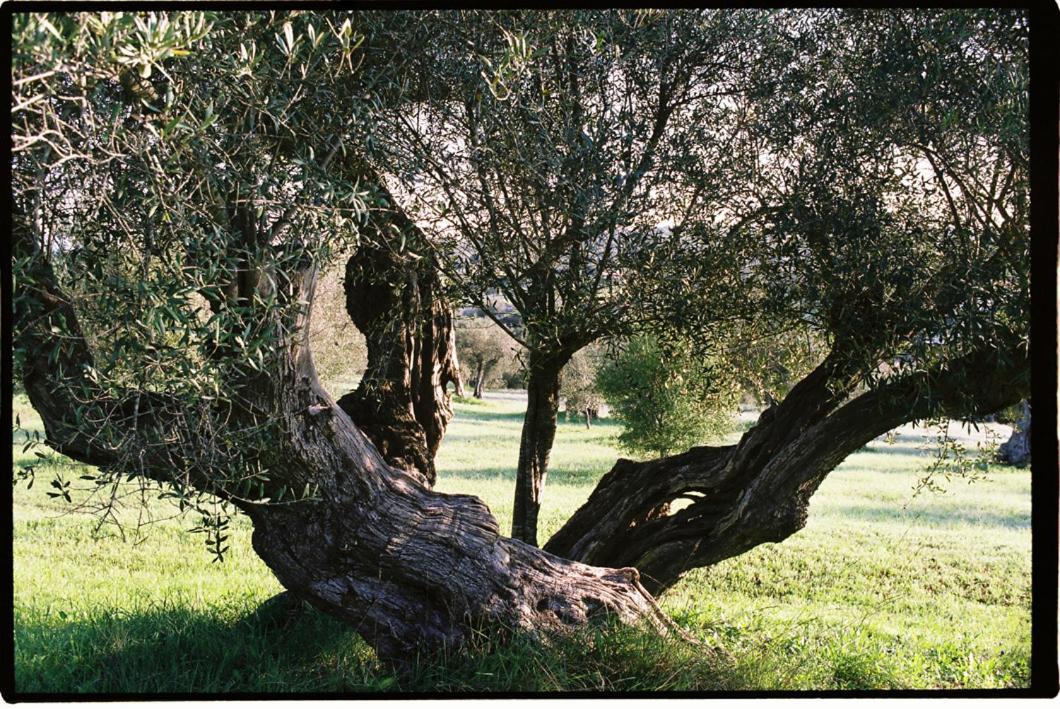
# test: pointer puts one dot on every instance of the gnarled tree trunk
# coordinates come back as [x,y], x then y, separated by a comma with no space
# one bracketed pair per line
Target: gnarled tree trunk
[411,569]
[759,489]
[395,299]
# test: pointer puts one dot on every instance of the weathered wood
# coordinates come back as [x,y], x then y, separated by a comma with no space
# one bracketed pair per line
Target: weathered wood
[411,569]
[402,403]
[759,490]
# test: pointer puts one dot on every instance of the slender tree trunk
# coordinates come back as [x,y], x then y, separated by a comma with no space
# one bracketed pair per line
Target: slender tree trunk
[480,379]
[535,445]
[1017,449]
[588,419]
[458,383]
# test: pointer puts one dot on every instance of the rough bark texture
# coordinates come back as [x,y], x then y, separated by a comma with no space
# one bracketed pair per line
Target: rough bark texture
[535,444]
[411,569]
[1017,449]
[759,489]
[402,403]
[414,570]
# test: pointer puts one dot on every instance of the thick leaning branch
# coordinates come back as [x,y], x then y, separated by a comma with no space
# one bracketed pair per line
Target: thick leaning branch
[753,492]
[54,368]
[133,431]
[634,493]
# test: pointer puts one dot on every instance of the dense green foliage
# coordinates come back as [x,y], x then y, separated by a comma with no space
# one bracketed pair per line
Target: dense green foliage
[666,396]
[883,589]
[750,180]
[879,198]
[173,173]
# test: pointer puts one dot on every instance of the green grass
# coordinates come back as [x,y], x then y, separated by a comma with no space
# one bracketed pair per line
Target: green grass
[882,589]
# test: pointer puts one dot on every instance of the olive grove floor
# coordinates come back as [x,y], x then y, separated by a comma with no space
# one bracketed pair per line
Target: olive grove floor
[887,586]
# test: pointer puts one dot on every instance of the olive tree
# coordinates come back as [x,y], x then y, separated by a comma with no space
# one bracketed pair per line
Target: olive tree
[578,386]
[483,346]
[182,171]
[889,202]
[563,142]
[179,180]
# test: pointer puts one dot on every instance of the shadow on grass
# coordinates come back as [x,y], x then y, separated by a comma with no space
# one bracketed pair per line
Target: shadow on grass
[489,416]
[494,436]
[935,516]
[897,449]
[181,650]
[486,473]
[558,476]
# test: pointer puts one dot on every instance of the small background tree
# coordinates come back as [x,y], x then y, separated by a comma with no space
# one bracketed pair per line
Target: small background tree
[578,386]
[667,398]
[486,353]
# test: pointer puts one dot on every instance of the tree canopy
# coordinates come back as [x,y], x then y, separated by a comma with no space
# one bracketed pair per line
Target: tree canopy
[566,147]
[180,179]
[171,176]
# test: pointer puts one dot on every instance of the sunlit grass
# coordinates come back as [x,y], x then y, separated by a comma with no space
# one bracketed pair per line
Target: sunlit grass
[883,588]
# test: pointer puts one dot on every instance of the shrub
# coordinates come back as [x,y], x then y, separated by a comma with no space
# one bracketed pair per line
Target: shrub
[666,397]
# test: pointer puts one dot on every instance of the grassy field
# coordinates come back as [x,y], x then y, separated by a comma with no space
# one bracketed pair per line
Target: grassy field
[884,588]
